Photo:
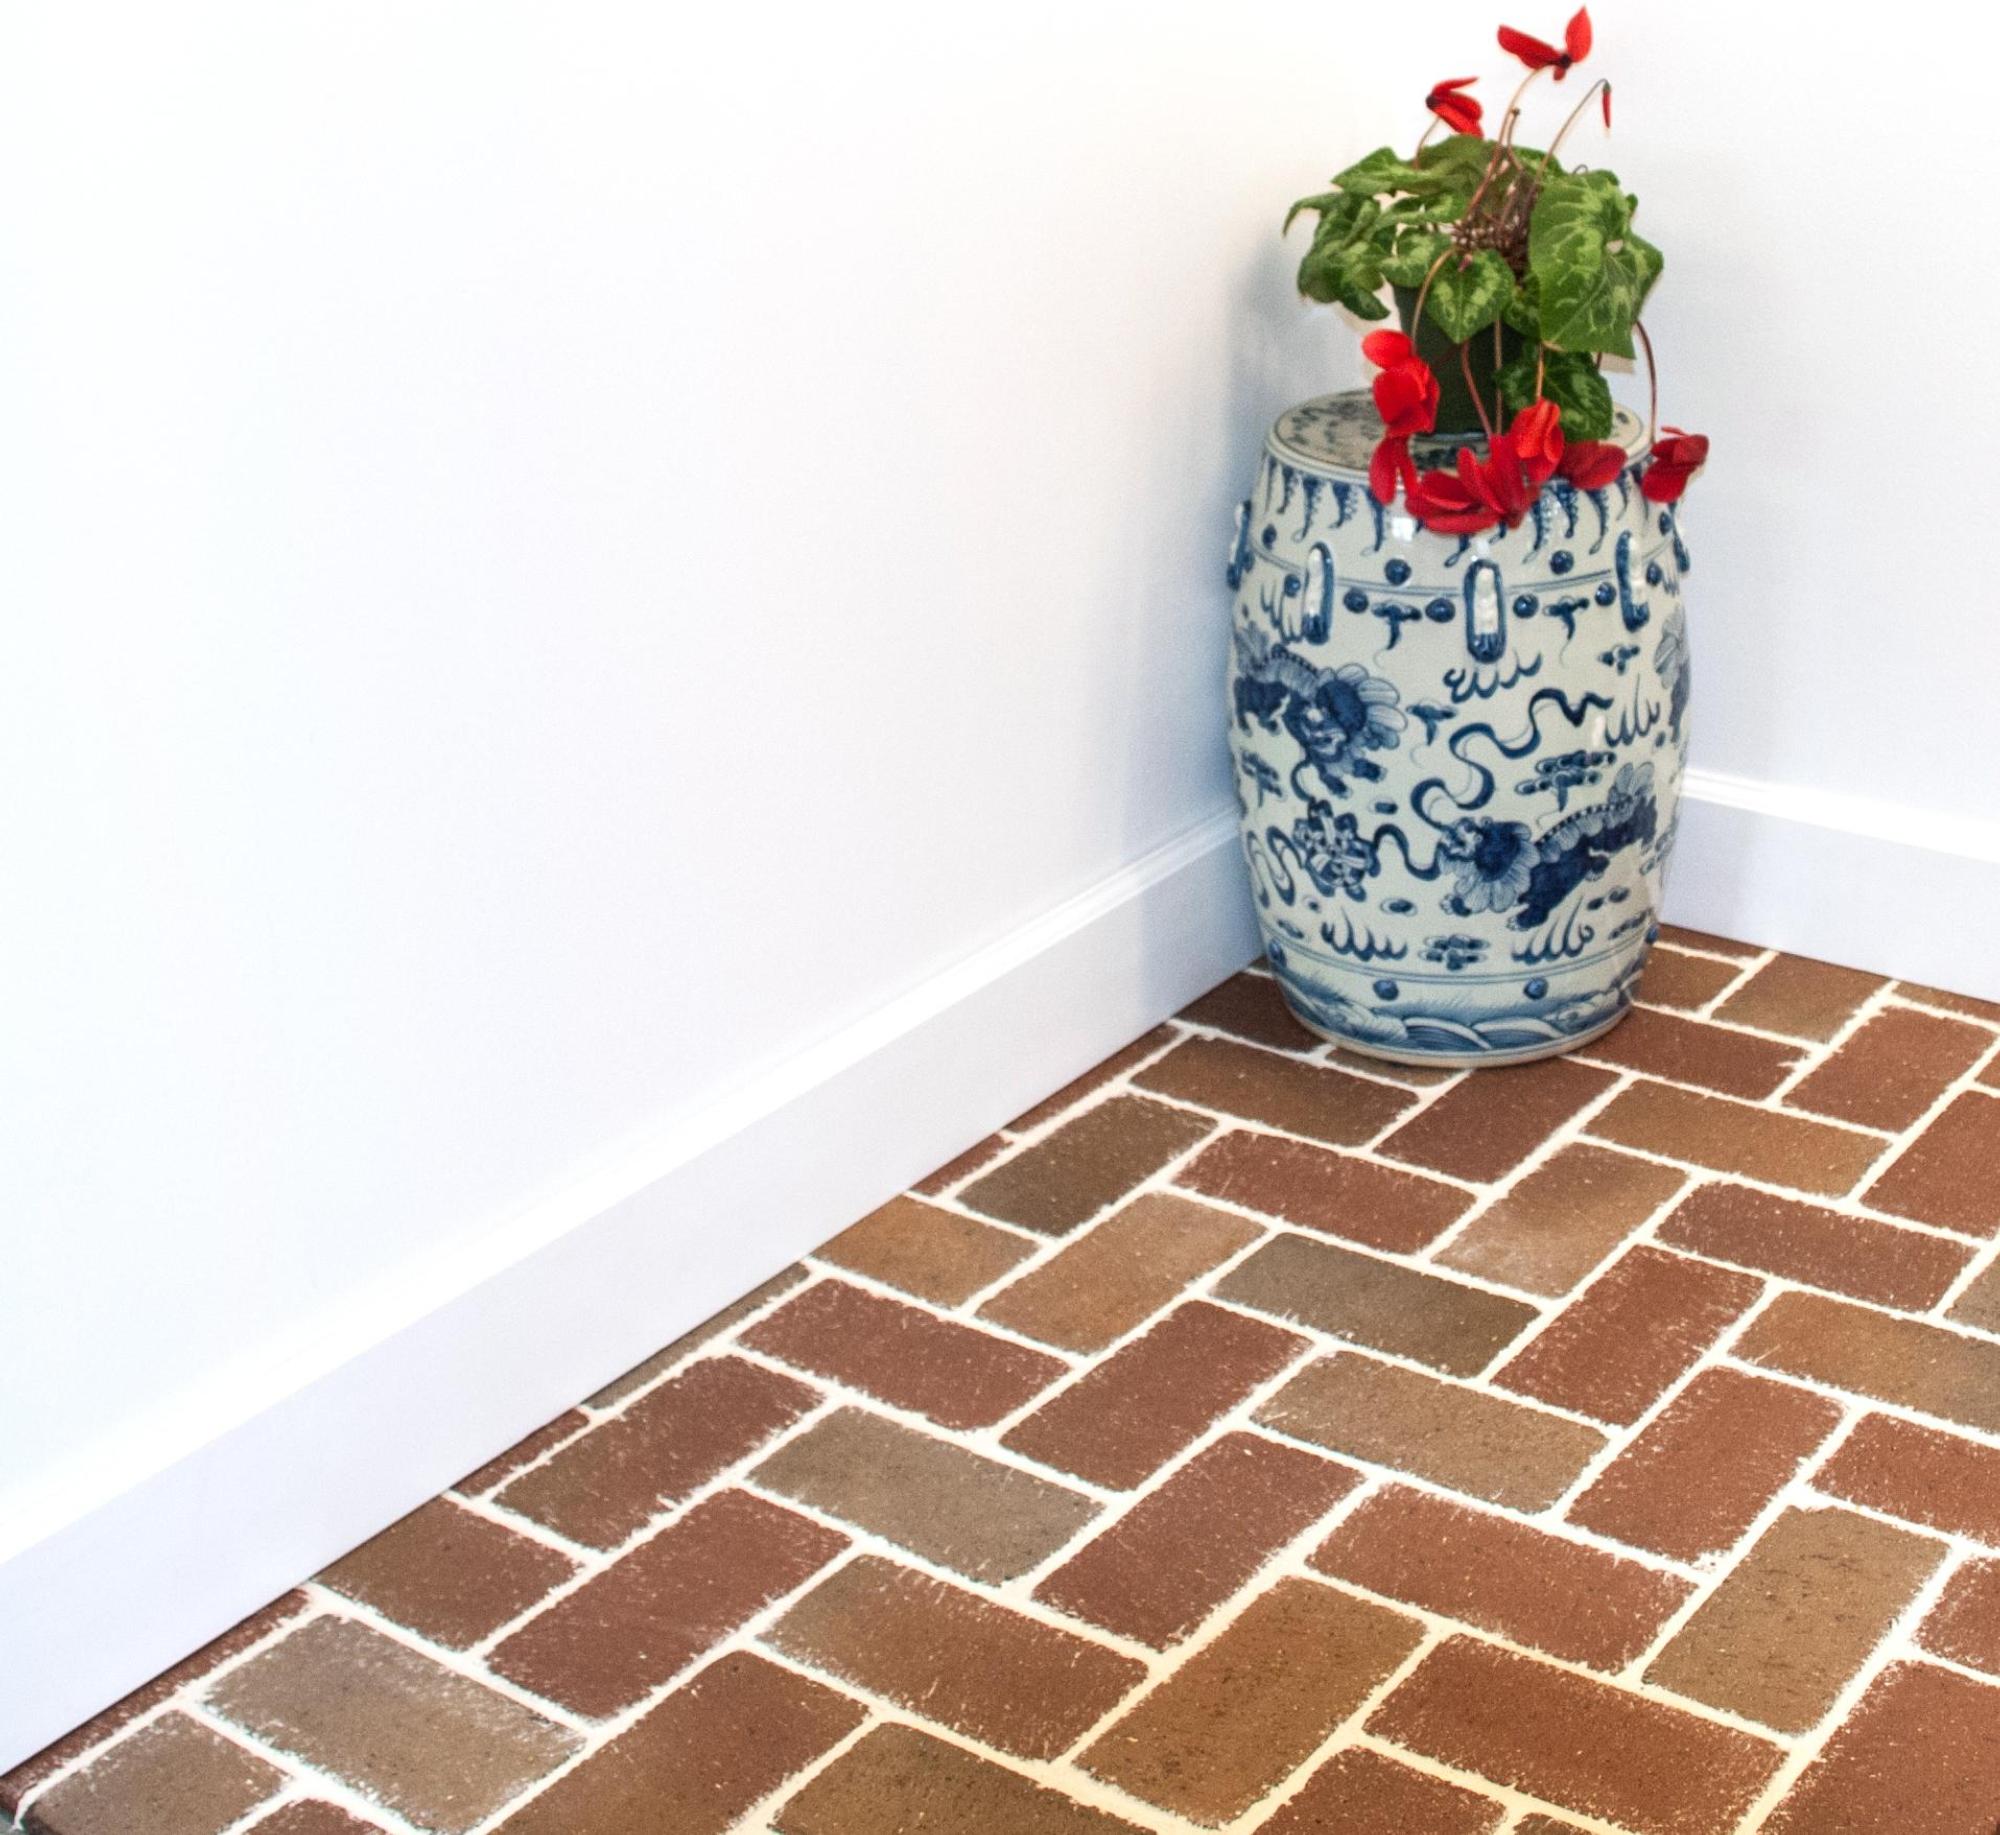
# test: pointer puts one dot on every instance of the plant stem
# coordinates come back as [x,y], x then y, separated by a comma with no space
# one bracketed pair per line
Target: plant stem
[1416,158]
[1652,385]
[1424,292]
[1601,83]
[1465,364]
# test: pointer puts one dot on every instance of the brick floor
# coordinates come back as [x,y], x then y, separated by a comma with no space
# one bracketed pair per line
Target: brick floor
[1250,1435]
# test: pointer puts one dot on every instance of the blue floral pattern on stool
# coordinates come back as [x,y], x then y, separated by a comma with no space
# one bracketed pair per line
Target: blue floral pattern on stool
[1457,755]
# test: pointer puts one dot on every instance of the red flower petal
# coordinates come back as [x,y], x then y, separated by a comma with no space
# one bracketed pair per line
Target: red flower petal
[1576,35]
[1450,83]
[1386,347]
[1459,113]
[1536,53]
[1604,97]
[1406,397]
[1591,465]
[1662,483]
[1538,437]
[1385,467]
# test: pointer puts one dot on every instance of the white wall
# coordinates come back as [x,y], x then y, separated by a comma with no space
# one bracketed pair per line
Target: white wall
[556,555]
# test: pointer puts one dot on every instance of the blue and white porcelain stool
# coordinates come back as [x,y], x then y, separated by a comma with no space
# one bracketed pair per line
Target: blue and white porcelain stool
[1458,758]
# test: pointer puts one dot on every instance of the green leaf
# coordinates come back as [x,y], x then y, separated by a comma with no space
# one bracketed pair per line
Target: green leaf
[1571,380]
[1410,260]
[1523,312]
[1382,171]
[1467,299]
[1592,272]
[1456,164]
[1325,202]
[1347,274]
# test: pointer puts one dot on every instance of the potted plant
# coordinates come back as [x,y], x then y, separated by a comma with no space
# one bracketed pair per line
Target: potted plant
[1459,676]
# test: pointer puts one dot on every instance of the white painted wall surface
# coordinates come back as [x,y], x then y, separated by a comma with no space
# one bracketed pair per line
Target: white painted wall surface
[556,556]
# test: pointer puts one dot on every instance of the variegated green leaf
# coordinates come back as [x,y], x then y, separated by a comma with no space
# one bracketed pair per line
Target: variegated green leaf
[1412,257]
[1571,380]
[1592,272]
[1467,299]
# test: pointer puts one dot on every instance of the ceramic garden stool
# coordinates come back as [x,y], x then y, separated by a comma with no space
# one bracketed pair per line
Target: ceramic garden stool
[1458,758]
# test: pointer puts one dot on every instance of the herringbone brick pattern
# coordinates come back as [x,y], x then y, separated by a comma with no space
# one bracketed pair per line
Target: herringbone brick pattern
[1251,1437]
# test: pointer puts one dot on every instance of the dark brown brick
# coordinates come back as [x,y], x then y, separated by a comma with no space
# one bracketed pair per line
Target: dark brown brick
[1895,1360]
[1687,982]
[1251,1706]
[1123,1420]
[1950,1174]
[955,1658]
[495,1473]
[1712,1131]
[1964,1625]
[449,1575]
[1891,1071]
[1120,1272]
[1157,1572]
[935,1254]
[716,1326]
[1796,1617]
[1541,1590]
[900,1779]
[36,1771]
[1095,1078]
[694,1764]
[1692,1484]
[1800,998]
[1470,1441]
[1358,1790]
[1918,1474]
[1333,1193]
[1585,1745]
[955,1374]
[1683,938]
[1281,1092]
[954,1507]
[174,1777]
[1629,1335]
[1487,1125]
[431,1744]
[660,1451]
[1381,1304]
[1815,1246]
[980,1153]
[312,1816]
[626,1631]
[1252,1007]
[1687,1051]
[1564,1218]
[1919,1756]
[1069,1176]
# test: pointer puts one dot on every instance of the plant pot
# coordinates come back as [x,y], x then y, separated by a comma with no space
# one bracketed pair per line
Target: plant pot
[1458,758]
[1456,412]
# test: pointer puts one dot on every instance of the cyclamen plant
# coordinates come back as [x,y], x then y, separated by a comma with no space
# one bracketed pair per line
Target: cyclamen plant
[1528,274]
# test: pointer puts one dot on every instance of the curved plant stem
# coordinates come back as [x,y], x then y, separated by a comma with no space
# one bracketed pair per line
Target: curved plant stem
[1541,367]
[1465,364]
[1505,137]
[1416,158]
[1601,83]
[1652,386]
[1424,292]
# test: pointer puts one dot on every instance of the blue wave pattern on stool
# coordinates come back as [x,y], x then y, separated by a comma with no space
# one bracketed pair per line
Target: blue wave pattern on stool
[1458,758]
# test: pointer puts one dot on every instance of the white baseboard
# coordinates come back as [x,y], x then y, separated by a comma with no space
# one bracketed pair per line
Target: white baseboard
[1874,885]
[229,1498]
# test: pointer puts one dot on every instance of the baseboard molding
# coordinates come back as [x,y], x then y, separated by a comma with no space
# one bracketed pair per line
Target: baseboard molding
[1874,885]
[232,1497]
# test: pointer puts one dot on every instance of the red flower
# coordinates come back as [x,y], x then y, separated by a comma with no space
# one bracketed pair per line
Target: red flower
[1458,112]
[1590,465]
[1604,102]
[1500,483]
[1441,500]
[1538,437]
[1675,461]
[1406,393]
[1390,466]
[1539,54]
